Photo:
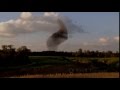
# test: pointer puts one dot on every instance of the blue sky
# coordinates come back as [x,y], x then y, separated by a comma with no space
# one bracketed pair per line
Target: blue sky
[102,32]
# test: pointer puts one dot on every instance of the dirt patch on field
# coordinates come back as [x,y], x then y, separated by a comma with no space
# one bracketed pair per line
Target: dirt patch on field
[78,75]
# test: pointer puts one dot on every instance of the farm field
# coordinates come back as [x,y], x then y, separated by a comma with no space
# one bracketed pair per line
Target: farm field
[68,60]
[79,75]
[63,67]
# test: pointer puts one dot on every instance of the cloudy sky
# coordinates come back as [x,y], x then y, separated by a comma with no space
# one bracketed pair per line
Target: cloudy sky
[86,30]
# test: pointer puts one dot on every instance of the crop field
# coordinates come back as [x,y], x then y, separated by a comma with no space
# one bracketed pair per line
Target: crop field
[72,75]
[49,59]
[64,67]
[64,60]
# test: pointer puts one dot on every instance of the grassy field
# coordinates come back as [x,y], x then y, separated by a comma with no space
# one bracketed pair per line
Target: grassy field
[48,66]
[43,61]
[48,61]
[66,60]
[78,75]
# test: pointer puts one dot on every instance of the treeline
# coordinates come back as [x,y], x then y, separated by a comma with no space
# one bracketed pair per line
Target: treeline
[88,53]
[79,53]
[17,56]
[51,53]
[11,56]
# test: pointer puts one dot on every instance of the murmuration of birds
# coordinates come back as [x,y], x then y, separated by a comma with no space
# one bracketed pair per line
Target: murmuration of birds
[58,37]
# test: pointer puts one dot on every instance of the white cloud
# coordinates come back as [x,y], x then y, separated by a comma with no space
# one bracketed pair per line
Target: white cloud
[116,38]
[50,14]
[27,23]
[103,40]
[26,15]
[103,43]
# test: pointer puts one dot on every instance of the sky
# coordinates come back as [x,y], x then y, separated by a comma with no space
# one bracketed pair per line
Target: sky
[86,30]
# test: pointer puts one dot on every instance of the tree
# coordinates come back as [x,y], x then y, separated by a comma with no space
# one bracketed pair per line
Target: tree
[4,47]
[10,46]
[80,52]
[23,55]
[23,49]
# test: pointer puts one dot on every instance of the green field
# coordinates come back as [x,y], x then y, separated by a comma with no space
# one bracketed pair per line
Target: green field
[61,64]
[51,60]
[47,61]
[68,62]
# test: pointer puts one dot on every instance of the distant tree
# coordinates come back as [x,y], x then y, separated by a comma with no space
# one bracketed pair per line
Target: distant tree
[7,54]
[4,47]
[23,55]
[23,49]
[10,47]
[80,50]
[97,53]
[116,54]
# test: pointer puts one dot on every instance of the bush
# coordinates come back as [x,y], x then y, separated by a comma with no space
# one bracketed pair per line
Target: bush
[10,57]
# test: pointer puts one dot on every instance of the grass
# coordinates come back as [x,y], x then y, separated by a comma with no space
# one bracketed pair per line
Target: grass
[65,60]
[45,61]
[84,59]
[59,64]
[48,59]
[78,75]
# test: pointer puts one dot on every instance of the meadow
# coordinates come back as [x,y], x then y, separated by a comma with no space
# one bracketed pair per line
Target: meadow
[64,67]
